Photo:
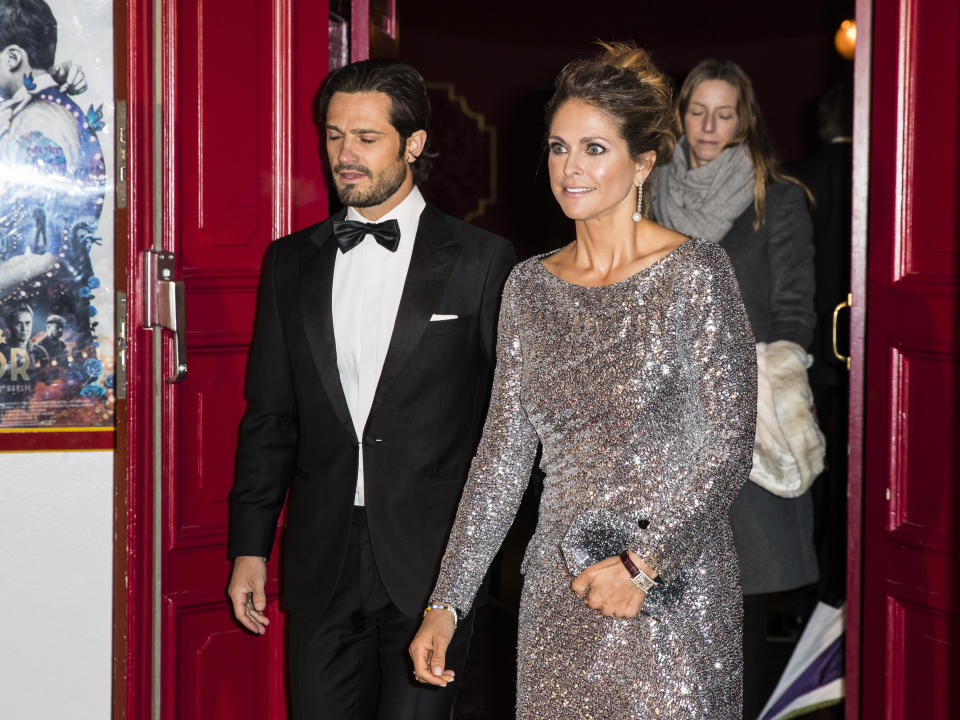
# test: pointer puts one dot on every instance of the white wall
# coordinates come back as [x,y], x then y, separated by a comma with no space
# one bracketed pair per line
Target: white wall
[56,553]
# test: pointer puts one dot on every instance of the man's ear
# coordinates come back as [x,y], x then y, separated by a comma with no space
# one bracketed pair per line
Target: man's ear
[415,144]
[13,58]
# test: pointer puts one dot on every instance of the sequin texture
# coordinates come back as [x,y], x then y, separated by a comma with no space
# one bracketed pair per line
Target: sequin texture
[643,394]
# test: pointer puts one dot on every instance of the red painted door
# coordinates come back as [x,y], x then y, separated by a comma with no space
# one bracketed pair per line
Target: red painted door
[241,168]
[910,493]
[236,166]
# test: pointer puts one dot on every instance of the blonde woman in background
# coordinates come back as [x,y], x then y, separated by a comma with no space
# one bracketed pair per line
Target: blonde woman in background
[725,186]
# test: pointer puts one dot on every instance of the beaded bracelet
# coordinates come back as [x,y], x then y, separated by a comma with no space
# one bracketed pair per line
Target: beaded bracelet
[443,606]
[637,576]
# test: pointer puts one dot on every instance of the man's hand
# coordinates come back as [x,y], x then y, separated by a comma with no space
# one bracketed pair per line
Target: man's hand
[429,648]
[607,587]
[246,592]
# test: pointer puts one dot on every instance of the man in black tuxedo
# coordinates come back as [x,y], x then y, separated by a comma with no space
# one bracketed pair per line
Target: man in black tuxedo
[367,387]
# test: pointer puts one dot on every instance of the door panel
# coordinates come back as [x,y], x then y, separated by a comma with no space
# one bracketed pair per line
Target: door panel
[916,631]
[910,501]
[222,146]
[926,116]
[239,78]
[920,486]
[211,412]
[220,673]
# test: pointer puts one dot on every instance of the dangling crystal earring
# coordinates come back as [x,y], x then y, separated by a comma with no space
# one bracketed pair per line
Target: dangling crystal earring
[638,215]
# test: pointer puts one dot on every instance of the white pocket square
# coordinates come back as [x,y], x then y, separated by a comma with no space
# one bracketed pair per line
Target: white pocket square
[435,318]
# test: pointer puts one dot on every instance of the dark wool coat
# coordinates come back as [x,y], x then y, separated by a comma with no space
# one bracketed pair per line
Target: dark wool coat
[775,270]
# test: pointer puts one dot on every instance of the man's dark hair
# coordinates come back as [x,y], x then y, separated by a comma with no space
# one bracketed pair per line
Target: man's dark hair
[31,25]
[11,314]
[56,320]
[409,103]
[835,113]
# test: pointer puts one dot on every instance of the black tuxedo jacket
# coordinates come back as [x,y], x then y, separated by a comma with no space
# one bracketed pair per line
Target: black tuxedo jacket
[423,427]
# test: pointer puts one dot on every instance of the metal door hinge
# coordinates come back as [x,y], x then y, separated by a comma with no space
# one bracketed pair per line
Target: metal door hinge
[120,373]
[121,184]
[164,306]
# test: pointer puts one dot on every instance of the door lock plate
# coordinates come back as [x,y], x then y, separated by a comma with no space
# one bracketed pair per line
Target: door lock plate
[164,305]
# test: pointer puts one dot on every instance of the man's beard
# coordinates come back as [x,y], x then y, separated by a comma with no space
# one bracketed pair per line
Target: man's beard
[385,185]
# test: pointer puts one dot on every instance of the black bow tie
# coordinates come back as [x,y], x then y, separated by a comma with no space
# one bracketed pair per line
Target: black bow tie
[350,233]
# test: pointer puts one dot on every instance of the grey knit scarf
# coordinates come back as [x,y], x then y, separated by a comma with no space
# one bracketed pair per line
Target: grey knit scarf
[703,201]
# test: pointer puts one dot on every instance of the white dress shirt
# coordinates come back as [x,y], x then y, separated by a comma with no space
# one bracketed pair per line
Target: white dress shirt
[367,285]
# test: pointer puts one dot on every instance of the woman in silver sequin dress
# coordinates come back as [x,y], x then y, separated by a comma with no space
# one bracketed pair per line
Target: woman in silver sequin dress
[628,355]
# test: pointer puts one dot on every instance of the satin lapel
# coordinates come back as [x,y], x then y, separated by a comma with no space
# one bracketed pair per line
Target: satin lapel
[317,257]
[434,257]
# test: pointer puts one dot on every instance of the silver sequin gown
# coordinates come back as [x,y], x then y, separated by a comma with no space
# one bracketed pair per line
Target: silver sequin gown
[643,394]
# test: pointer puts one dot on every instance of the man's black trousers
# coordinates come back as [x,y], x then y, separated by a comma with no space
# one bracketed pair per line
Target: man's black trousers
[351,661]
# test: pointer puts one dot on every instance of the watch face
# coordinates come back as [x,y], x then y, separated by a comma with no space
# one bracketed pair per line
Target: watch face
[643,582]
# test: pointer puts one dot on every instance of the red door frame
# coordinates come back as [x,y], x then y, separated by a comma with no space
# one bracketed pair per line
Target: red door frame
[133,504]
[858,287]
[905,552]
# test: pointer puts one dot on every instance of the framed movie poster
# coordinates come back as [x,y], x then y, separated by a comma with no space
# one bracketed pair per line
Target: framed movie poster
[56,223]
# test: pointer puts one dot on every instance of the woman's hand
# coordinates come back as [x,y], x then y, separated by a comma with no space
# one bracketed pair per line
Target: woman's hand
[607,587]
[429,648]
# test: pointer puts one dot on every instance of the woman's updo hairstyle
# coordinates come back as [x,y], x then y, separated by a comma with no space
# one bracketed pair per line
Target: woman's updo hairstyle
[623,83]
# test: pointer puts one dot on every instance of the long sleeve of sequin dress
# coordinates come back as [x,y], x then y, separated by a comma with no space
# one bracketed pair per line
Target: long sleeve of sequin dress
[499,472]
[643,394]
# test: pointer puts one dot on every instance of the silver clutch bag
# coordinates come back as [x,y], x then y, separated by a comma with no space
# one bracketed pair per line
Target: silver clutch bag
[596,535]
